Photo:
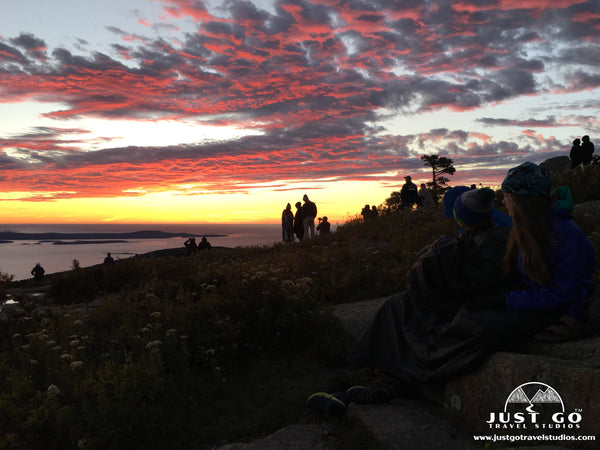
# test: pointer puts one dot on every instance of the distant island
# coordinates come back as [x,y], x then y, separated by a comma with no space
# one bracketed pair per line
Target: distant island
[85,238]
[108,241]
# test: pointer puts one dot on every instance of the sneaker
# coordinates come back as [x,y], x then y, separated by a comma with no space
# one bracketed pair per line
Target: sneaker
[322,402]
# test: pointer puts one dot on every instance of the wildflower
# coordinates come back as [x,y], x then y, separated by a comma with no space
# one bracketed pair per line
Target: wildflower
[78,323]
[53,391]
[184,337]
[156,314]
[74,343]
[16,336]
[51,343]
[145,330]
[33,362]
[171,332]
[211,287]
[81,443]
[153,344]
[76,365]
[66,356]
[43,337]
[287,284]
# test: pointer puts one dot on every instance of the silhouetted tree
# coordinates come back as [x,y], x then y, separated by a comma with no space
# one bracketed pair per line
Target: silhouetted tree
[439,167]
[392,204]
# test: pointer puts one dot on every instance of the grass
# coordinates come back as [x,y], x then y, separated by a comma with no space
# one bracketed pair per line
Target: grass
[193,352]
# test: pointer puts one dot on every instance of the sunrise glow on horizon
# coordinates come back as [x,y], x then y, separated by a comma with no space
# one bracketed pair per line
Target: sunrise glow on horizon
[192,111]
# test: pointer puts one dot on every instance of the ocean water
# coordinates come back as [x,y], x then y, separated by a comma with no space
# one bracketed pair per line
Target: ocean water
[19,257]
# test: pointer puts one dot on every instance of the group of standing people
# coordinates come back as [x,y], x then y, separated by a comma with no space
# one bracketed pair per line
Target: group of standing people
[582,152]
[369,212]
[302,223]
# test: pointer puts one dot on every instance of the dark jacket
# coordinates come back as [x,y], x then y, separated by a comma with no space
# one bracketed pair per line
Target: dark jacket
[572,276]
[409,192]
[298,225]
[573,263]
[587,152]
[309,209]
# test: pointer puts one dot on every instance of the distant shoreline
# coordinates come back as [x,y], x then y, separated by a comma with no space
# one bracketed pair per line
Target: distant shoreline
[93,238]
[114,241]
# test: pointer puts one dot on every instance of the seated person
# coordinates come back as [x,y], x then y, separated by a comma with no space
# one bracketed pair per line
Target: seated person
[324,226]
[204,244]
[446,322]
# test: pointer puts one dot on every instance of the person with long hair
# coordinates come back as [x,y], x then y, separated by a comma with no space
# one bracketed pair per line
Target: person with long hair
[547,253]
[458,307]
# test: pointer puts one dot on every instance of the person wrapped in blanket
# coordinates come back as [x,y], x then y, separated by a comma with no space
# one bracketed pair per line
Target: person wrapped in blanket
[458,307]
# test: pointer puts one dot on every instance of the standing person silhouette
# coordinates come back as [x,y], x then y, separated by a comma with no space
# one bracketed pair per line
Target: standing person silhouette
[408,194]
[425,197]
[366,213]
[575,154]
[587,150]
[309,212]
[287,224]
[299,222]
[374,212]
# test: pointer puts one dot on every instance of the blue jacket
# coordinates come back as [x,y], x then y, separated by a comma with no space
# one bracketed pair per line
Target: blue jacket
[574,262]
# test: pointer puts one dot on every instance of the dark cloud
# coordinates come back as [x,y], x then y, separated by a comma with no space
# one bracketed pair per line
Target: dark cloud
[550,121]
[34,46]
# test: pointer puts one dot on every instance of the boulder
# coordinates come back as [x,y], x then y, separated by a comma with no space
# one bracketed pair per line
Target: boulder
[589,210]
[356,316]
[558,164]
[572,369]
[298,437]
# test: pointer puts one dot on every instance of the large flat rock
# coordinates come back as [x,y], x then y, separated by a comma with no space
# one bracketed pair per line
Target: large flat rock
[293,437]
[410,424]
[572,369]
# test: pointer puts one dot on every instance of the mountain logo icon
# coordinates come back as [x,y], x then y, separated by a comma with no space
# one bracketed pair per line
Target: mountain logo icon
[533,393]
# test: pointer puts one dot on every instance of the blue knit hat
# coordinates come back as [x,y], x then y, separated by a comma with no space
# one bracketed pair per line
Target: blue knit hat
[528,179]
[474,207]
[450,197]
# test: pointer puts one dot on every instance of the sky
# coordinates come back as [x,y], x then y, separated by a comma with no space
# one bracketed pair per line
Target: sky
[191,111]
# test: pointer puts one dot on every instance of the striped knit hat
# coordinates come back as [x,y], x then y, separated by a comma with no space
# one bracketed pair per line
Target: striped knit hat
[474,207]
